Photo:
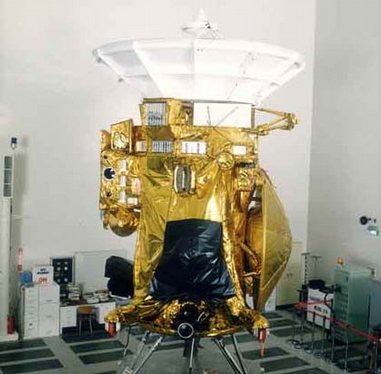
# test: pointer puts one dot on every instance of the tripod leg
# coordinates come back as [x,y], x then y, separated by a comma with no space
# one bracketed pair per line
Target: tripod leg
[295,342]
[238,353]
[346,349]
[302,328]
[333,341]
[309,347]
[148,355]
[127,340]
[191,355]
[140,348]
[220,344]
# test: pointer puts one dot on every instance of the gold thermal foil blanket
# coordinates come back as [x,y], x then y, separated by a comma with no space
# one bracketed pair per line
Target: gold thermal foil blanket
[140,191]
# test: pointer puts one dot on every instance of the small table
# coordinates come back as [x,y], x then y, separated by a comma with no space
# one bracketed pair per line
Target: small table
[68,312]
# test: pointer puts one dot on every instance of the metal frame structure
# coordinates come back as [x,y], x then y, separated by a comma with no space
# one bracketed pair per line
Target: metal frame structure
[144,353]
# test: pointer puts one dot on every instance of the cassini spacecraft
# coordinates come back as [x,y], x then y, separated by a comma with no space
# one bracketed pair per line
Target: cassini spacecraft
[212,236]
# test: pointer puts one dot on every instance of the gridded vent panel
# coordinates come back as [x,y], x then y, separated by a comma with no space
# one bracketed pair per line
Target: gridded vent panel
[141,146]
[155,114]
[8,176]
[193,147]
[162,146]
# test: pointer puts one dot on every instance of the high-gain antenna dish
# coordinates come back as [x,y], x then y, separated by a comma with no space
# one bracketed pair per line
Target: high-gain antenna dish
[203,67]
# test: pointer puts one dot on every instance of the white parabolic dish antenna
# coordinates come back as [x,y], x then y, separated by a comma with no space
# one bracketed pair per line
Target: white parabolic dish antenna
[203,67]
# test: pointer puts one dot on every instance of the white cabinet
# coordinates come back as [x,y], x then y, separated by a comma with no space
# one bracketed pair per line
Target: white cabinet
[68,316]
[102,310]
[30,327]
[49,294]
[48,325]
[39,310]
[29,312]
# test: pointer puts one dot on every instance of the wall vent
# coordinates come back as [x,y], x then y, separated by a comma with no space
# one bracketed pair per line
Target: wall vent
[8,176]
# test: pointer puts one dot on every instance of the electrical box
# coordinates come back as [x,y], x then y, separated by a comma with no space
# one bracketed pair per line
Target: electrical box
[351,300]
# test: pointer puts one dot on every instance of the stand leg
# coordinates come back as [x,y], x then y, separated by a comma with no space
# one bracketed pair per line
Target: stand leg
[127,340]
[346,349]
[333,341]
[376,357]
[309,347]
[148,355]
[238,353]
[80,327]
[220,344]
[140,348]
[139,360]
[191,355]
[302,328]
[319,352]
[313,332]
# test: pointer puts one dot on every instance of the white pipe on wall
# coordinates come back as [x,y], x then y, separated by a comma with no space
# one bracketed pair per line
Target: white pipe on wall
[5,242]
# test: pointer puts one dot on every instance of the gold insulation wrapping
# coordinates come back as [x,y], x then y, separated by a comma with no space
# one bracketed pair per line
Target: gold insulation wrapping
[168,170]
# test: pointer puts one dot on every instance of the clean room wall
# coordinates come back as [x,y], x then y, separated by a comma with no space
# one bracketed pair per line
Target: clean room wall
[56,99]
[345,155]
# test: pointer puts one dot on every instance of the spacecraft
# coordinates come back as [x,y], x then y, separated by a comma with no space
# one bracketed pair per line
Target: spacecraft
[212,236]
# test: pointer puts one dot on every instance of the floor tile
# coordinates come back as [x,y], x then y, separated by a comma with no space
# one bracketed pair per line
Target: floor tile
[96,346]
[9,346]
[169,346]
[309,371]
[25,355]
[282,323]
[32,366]
[241,338]
[355,365]
[86,337]
[283,364]
[271,315]
[352,352]
[282,333]
[137,330]
[269,352]
[102,357]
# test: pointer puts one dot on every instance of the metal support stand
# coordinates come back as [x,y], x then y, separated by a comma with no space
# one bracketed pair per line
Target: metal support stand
[320,353]
[238,353]
[299,344]
[140,360]
[191,355]
[346,349]
[376,357]
[311,346]
[333,341]
[229,358]
[293,341]
[125,349]
[376,369]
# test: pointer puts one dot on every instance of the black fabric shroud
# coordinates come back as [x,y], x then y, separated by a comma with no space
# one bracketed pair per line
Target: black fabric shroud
[120,272]
[192,265]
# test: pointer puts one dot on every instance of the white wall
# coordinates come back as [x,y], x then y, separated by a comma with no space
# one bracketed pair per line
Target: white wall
[345,155]
[56,99]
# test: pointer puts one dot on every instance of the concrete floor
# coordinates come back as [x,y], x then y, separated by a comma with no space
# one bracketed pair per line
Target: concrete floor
[98,354]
